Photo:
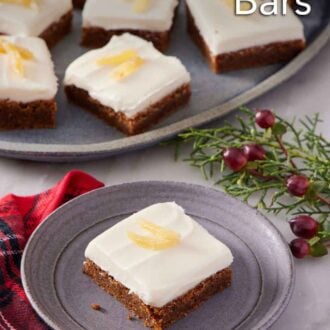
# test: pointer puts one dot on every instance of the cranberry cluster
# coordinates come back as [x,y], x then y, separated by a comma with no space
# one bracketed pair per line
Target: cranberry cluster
[236,159]
[305,228]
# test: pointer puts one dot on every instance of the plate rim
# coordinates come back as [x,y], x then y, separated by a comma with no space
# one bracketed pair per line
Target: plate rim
[85,152]
[27,253]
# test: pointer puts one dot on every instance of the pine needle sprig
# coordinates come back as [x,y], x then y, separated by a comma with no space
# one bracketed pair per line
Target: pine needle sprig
[291,149]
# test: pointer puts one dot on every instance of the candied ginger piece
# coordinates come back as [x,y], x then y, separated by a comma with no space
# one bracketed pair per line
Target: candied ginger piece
[125,63]
[118,59]
[127,68]
[141,6]
[161,238]
[25,3]
[17,63]
[25,53]
[17,54]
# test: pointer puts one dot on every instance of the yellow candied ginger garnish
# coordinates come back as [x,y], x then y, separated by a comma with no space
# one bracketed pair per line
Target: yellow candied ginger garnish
[125,63]
[17,55]
[17,63]
[25,3]
[243,5]
[127,68]
[141,6]
[161,238]
[24,53]
[118,59]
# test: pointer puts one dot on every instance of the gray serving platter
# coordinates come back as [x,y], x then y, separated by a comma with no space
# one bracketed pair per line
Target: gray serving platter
[79,136]
[263,274]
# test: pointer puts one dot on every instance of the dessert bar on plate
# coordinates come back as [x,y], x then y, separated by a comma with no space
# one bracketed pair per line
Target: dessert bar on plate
[28,84]
[148,19]
[47,19]
[128,83]
[231,42]
[159,263]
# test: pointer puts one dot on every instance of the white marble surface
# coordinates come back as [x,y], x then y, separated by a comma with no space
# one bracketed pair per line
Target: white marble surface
[307,92]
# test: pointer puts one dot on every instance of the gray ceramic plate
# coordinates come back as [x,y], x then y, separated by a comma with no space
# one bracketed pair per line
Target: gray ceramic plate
[80,136]
[62,295]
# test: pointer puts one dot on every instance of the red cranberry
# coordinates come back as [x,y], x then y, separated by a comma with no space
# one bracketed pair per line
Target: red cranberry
[254,152]
[304,226]
[265,119]
[300,248]
[297,185]
[234,159]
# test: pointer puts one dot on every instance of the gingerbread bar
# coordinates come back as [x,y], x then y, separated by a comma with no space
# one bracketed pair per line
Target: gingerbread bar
[151,20]
[47,19]
[160,264]
[27,84]
[231,42]
[128,83]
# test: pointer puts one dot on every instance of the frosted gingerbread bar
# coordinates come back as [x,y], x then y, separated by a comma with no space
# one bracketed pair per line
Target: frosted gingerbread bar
[47,19]
[28,84]
[160,264]
[231,42]
[151,20]
[128,83]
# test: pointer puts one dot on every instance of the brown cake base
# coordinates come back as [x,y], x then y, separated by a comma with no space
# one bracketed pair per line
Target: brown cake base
[58,30]
[246,58]
[94,37]
[78,4]
[138,124]
[160,318]
[37,114]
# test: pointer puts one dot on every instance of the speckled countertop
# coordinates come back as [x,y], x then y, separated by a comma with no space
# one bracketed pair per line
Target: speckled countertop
[307,92]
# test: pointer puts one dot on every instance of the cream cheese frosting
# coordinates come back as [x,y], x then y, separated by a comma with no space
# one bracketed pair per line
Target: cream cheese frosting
[158,77]
[224,32]
[120,14]
[38,81]
[159,277]
[18,19]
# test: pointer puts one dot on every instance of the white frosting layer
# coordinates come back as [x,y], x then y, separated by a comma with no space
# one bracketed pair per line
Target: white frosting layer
[119,14]
[158,77]
[39,81]
[224,32]
[21,20]
[159,277]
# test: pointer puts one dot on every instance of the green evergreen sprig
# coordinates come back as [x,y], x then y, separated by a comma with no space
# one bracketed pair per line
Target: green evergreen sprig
[290,150]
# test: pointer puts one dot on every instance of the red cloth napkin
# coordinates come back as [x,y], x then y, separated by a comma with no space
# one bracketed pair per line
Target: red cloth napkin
[19,216]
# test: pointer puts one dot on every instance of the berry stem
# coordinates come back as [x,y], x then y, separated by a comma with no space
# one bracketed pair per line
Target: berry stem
[323,200]
[262,176]
[285,151]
